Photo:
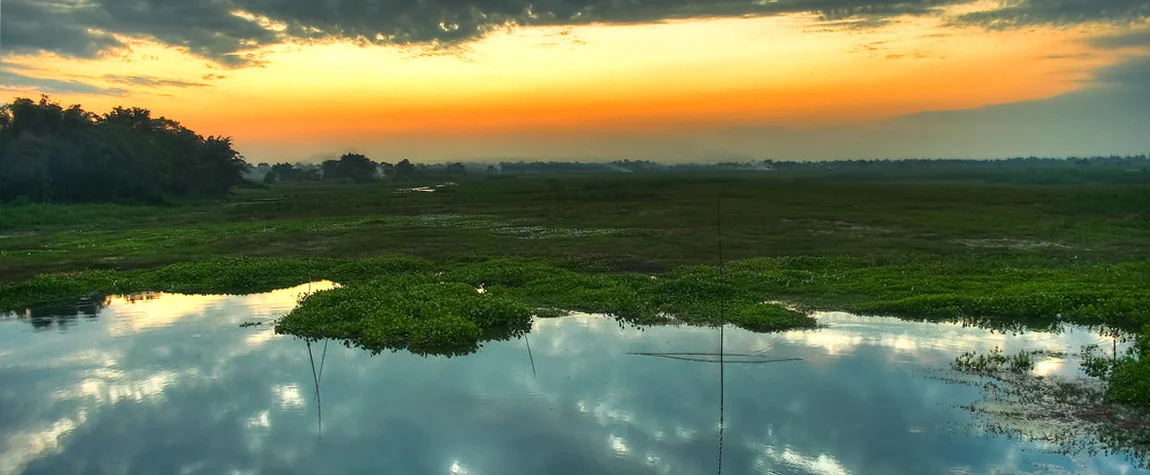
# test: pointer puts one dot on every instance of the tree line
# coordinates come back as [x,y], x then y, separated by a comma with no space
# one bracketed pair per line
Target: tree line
[1124,162]
[356,168]
[52,153]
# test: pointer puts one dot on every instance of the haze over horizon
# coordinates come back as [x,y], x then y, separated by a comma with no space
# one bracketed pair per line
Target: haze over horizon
[672,81]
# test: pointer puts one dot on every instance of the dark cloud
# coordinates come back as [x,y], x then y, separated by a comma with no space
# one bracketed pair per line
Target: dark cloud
[1060,12]
[228,31]
[11,78]
[150,81]
[1133,39]
[85,28]
[31,26]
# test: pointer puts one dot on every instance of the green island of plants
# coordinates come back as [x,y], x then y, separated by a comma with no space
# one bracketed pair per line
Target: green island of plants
[420,305]
[444,312]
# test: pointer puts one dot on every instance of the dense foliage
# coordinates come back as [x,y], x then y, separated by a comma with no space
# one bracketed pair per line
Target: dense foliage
[52,153]
[354,168]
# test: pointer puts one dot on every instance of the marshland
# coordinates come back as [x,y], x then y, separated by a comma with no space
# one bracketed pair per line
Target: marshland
[431,294]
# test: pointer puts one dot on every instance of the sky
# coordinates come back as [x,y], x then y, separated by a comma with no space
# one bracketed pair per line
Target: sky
[588,80]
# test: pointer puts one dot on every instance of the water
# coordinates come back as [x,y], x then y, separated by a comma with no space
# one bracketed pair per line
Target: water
[173,384]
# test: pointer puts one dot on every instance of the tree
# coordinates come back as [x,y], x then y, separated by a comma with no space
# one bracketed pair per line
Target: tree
[404,170]
[52,153]
[357,167]
[330,169]
[455,170]
[24,168]
[386,170]
[284,172]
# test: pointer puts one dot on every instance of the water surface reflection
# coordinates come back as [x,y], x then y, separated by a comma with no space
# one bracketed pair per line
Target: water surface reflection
[172,384]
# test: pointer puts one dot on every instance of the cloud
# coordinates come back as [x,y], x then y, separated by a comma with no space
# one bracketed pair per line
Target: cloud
[151,81]
[31,26]
[1060,12]
[11,79]
[229,32]
[89,28]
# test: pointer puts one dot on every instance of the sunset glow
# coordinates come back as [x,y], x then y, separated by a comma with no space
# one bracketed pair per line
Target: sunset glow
[520,91]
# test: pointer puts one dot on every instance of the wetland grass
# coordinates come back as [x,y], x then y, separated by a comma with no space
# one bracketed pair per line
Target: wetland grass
[376,289]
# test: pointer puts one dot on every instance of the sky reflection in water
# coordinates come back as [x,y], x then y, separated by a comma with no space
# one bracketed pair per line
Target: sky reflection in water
[172,384]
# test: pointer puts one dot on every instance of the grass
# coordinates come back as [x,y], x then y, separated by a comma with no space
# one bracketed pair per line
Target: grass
[1004,299]
[651,221]
[996,361]
[411,304]
[408,313]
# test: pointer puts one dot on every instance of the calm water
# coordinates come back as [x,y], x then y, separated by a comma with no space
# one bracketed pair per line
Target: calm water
[171,384]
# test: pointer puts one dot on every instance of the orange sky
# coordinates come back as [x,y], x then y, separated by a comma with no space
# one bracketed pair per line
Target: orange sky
[594,80]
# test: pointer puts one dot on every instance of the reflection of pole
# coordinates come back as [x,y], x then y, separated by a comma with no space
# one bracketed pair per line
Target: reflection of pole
[317,378]
[722,412]
[529,356]
[701,357]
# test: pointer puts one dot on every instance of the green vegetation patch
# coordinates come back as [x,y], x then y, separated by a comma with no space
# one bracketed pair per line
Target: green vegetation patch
[403,303]
[964,291]
[455,308]
[971,292]
[408,313]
